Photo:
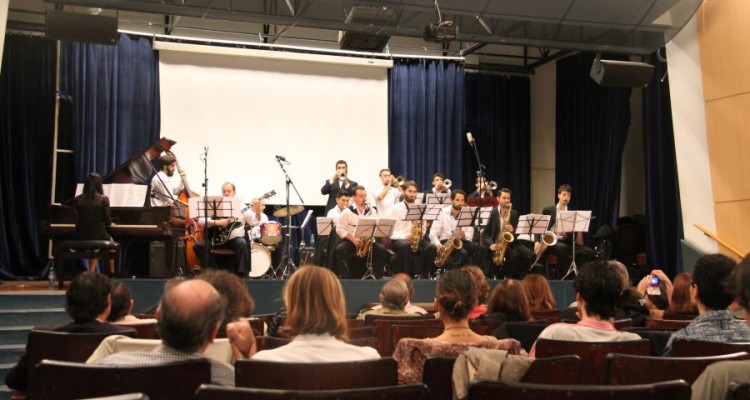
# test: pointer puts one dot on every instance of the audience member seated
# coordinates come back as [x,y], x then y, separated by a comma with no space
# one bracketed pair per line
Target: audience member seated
[656,296]
[455,298]
[393,298]
[538,292]
[122,306]
[88,302]
[316,319]
[709,293]
[680,302]
[233,289]
[713,382]
[632,305]
[410,308]
[571,313]
[482,289]
[598,287]
[508,303]
[191,313]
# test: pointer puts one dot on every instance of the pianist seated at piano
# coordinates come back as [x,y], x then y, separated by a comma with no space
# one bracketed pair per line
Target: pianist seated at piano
[218,229]
[93,216]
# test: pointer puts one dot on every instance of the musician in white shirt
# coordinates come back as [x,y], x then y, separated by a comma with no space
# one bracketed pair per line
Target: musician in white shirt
[163,192]
[385,195]
[348,264]
[235,241]
[443,229]
[402,239]
[342,201]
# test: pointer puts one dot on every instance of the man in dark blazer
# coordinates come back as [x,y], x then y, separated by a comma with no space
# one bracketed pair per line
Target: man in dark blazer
[339,181]
[88,302]
[518,257]
[563,248]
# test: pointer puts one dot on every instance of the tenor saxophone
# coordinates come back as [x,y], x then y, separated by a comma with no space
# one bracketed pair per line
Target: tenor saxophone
[454,243]
[503,239]
[365,248]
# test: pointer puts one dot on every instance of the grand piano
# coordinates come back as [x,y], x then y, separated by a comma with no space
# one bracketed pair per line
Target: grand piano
[131,224]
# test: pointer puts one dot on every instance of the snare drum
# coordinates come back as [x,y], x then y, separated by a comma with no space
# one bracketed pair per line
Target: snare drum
[260,260]
[270,233]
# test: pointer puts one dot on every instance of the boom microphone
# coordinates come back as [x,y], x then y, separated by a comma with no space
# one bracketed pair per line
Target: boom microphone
[469,137]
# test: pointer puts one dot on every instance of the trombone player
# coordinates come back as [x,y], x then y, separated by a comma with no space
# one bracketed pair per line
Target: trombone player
[562,249]
[517,256]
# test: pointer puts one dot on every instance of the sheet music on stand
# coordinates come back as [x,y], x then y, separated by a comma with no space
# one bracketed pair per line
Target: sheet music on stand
[324,225]
[215,207]
[415,212]
[371,226]
[122,194]
[533,224]
[177,212]
[420,198]
[466,217]
[441,199]
[574,221]
[482,215]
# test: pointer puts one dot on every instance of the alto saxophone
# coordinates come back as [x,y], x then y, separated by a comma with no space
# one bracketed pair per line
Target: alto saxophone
[503,239]
[454,243]
[365,248]
[416,234]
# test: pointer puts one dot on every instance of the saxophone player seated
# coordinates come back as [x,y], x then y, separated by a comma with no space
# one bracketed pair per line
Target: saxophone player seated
[451,247]
[407,238]
[514,259]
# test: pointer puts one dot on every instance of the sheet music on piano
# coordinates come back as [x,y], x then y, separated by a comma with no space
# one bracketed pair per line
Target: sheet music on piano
[122,194]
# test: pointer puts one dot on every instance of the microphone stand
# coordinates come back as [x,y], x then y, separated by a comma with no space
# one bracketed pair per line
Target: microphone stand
[204,158]
[481,177]
[287,266]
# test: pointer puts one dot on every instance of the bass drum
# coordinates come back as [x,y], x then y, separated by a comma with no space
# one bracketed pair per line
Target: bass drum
[260,260]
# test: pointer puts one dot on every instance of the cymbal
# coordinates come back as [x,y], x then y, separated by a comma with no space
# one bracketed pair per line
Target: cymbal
[283,211]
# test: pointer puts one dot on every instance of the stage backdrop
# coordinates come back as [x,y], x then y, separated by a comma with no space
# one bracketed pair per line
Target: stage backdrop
[247,110]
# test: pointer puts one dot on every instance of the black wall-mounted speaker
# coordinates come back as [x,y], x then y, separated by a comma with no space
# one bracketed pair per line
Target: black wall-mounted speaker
[621,73]
[81,27]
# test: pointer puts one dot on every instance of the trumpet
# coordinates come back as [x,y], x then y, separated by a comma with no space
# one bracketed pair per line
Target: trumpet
[342,177]
[447,183]
[399,181]
[492,186]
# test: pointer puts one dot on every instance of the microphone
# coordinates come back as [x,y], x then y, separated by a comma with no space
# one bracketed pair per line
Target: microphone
[469,137]
[282,158]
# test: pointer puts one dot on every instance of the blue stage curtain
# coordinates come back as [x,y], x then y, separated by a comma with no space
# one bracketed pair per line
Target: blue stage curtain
[114,96]
[425,128]
[592,124]
[498,116]
[27,94]
[663,209]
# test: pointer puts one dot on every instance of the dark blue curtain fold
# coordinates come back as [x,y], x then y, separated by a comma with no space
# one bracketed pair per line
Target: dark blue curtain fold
[663,207]
[497,112]
[27,93]
[425,128]
[109,111]
[114,96]
[592,124]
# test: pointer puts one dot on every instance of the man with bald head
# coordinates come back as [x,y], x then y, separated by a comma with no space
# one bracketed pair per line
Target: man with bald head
[191,313]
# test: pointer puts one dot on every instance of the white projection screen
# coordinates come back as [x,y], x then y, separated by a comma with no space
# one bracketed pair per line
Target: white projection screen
[247,110]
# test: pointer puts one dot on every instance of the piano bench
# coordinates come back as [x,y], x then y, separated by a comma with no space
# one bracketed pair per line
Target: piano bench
[84,249]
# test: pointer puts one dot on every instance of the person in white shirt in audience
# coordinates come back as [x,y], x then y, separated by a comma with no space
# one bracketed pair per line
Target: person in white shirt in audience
[598,287]
[316,319]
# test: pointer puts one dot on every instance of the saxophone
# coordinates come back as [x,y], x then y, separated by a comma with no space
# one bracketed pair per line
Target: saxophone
[549,238]
[503,239]
[365,248]
[454,243]
[416,234]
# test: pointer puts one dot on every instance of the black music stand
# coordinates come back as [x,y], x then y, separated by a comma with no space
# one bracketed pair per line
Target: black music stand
[533,224]
[326,227]
[574,222]
[437,198]
[416,212]
[370,227]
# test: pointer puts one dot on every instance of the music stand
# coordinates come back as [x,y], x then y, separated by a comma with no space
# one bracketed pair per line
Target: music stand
[574,221]
[326,227]
[213,207]
[533,224]
[369,227]
[437,198]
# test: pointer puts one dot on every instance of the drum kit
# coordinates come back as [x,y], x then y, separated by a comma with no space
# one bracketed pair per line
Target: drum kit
[264,240]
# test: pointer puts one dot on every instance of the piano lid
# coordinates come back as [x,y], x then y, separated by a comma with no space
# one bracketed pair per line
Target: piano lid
[138,169]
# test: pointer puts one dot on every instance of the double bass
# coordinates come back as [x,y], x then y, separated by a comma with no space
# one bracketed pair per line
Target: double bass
[193,231]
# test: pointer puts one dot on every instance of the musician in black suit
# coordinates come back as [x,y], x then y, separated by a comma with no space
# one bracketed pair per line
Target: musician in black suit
[236,239]
[562,249]
[339,181]
[517,256]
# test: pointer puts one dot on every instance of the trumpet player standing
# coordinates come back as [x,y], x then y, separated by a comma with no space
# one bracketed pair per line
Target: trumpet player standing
[562,249]
[348,263]
[439,185]
[517,256]
[407,237]
[444,230]
[339,181]
[385,195]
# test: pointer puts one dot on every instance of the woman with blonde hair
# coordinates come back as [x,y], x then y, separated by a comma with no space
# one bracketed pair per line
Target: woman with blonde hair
[455,299]
[538,292]
[316,320]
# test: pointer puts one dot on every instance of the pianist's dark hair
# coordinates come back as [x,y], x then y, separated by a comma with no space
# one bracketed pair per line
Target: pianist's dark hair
[93,185]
